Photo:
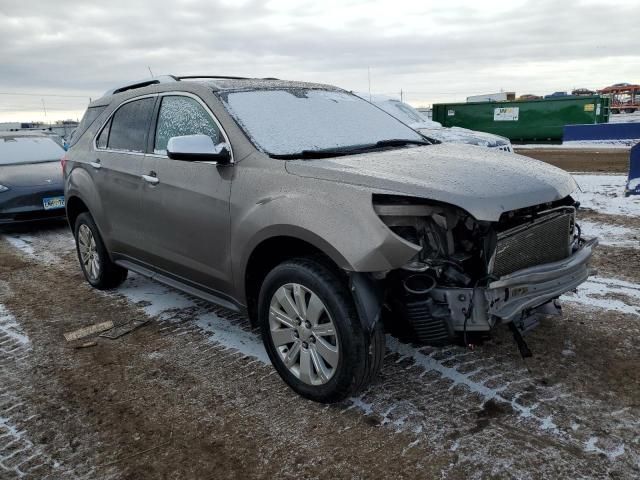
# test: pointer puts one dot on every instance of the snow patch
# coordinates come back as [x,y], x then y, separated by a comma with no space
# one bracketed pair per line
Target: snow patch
[591,446]
[605,194]
[611,235]
[9,326]
[22,243]
[610,143]
[601,292]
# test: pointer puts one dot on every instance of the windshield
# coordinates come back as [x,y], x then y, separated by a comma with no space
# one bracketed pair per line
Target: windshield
[287,122]
[29,150]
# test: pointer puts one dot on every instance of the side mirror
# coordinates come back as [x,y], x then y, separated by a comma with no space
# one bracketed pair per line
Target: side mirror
[198,148]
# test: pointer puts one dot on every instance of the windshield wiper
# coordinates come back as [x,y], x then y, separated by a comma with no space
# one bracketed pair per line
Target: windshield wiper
[336,152]
[400,142]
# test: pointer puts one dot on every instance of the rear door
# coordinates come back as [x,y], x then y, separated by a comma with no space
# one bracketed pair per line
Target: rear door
[117,170]
[186,213]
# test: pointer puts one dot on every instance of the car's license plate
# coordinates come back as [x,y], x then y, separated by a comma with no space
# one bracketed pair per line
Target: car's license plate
[50,203]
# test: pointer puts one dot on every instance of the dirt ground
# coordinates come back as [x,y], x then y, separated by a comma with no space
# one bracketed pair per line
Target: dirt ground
[189,394]
[610,160]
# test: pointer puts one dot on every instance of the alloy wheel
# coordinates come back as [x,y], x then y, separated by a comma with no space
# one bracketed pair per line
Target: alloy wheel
[304,334]
[88,252]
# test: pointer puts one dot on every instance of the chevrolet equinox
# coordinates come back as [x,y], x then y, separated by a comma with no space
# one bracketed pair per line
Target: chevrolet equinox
[319,215]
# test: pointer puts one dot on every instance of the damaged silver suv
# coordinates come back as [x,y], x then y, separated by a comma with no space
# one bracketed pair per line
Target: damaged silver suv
[321,216]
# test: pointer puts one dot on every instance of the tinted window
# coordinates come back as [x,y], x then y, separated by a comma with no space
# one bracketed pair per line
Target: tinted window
[183,116]
[130,124]
[28,149]
[87,120]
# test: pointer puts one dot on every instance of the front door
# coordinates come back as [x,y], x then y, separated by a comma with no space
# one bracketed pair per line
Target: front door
[186,212]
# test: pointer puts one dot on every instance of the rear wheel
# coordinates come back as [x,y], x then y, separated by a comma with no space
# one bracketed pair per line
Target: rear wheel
[94,259]
[312,332]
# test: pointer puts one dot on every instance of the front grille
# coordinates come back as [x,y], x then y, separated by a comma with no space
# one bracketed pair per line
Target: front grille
[546,239]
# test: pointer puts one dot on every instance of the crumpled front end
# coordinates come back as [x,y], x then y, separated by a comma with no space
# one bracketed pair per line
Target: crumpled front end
[470,276]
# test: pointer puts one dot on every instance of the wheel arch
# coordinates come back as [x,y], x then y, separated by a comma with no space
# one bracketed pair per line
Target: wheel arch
[272,250]
[75,206]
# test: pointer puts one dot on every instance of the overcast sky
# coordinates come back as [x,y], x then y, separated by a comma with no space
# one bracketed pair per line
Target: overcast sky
[433,50]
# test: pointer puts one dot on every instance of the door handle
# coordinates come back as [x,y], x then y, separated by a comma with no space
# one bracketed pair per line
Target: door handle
[151,178]
[97,165]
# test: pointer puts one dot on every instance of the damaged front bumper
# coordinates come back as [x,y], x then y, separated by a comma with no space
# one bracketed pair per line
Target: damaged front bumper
[531,287]
[517,297]
[440,314]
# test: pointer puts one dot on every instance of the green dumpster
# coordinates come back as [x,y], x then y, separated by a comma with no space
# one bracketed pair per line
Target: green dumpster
[526,120]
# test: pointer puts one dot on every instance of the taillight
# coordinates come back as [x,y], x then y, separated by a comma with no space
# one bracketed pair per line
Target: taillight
[63,162]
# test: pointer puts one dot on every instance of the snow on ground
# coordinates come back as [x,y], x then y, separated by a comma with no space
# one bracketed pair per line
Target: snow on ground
[607,294]
[10,329]
[585,145]
[625,143]
[22,243]
[611,235]
[31,244]
[166,304]
[480,379]
[625,117]
[605,194]
[438,370]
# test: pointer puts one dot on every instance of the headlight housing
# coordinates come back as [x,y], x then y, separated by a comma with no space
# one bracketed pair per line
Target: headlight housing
[3,188]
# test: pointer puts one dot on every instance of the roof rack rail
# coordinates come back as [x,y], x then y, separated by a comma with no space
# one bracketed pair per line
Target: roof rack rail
[230,77]
[222,77]
[142,83]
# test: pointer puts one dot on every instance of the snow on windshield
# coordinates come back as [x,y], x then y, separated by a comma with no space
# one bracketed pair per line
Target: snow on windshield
[285,122]
[28,150]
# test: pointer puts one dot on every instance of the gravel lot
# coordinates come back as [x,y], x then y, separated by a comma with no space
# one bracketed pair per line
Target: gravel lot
[191,393]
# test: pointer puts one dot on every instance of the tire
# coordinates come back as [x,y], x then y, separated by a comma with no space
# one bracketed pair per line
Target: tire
[98,269]
[328,376]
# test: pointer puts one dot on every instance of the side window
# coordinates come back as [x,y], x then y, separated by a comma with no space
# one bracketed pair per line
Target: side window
[130,124]
[104,136]
[180,116]
[87,120]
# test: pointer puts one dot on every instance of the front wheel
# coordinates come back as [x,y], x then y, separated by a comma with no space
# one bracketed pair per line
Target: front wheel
[312,332]
[94,259]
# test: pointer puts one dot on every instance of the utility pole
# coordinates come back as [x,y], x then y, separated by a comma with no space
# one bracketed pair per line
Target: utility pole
[44,108]
[150,71]
[401,96]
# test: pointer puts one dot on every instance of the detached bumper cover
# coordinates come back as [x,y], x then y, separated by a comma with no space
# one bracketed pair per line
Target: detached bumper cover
[531,287]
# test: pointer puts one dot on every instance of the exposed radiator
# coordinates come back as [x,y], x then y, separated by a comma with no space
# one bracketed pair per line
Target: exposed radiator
[546,239]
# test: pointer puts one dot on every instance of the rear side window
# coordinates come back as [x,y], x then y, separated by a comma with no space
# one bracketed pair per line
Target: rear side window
[104,136]
[180,116]
[129,126]
[87,120]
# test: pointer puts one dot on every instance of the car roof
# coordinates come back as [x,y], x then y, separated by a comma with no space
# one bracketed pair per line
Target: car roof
[214,82]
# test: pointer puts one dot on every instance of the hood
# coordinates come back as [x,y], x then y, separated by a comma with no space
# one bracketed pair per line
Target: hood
[483,182]
[31,174]
[463,135]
